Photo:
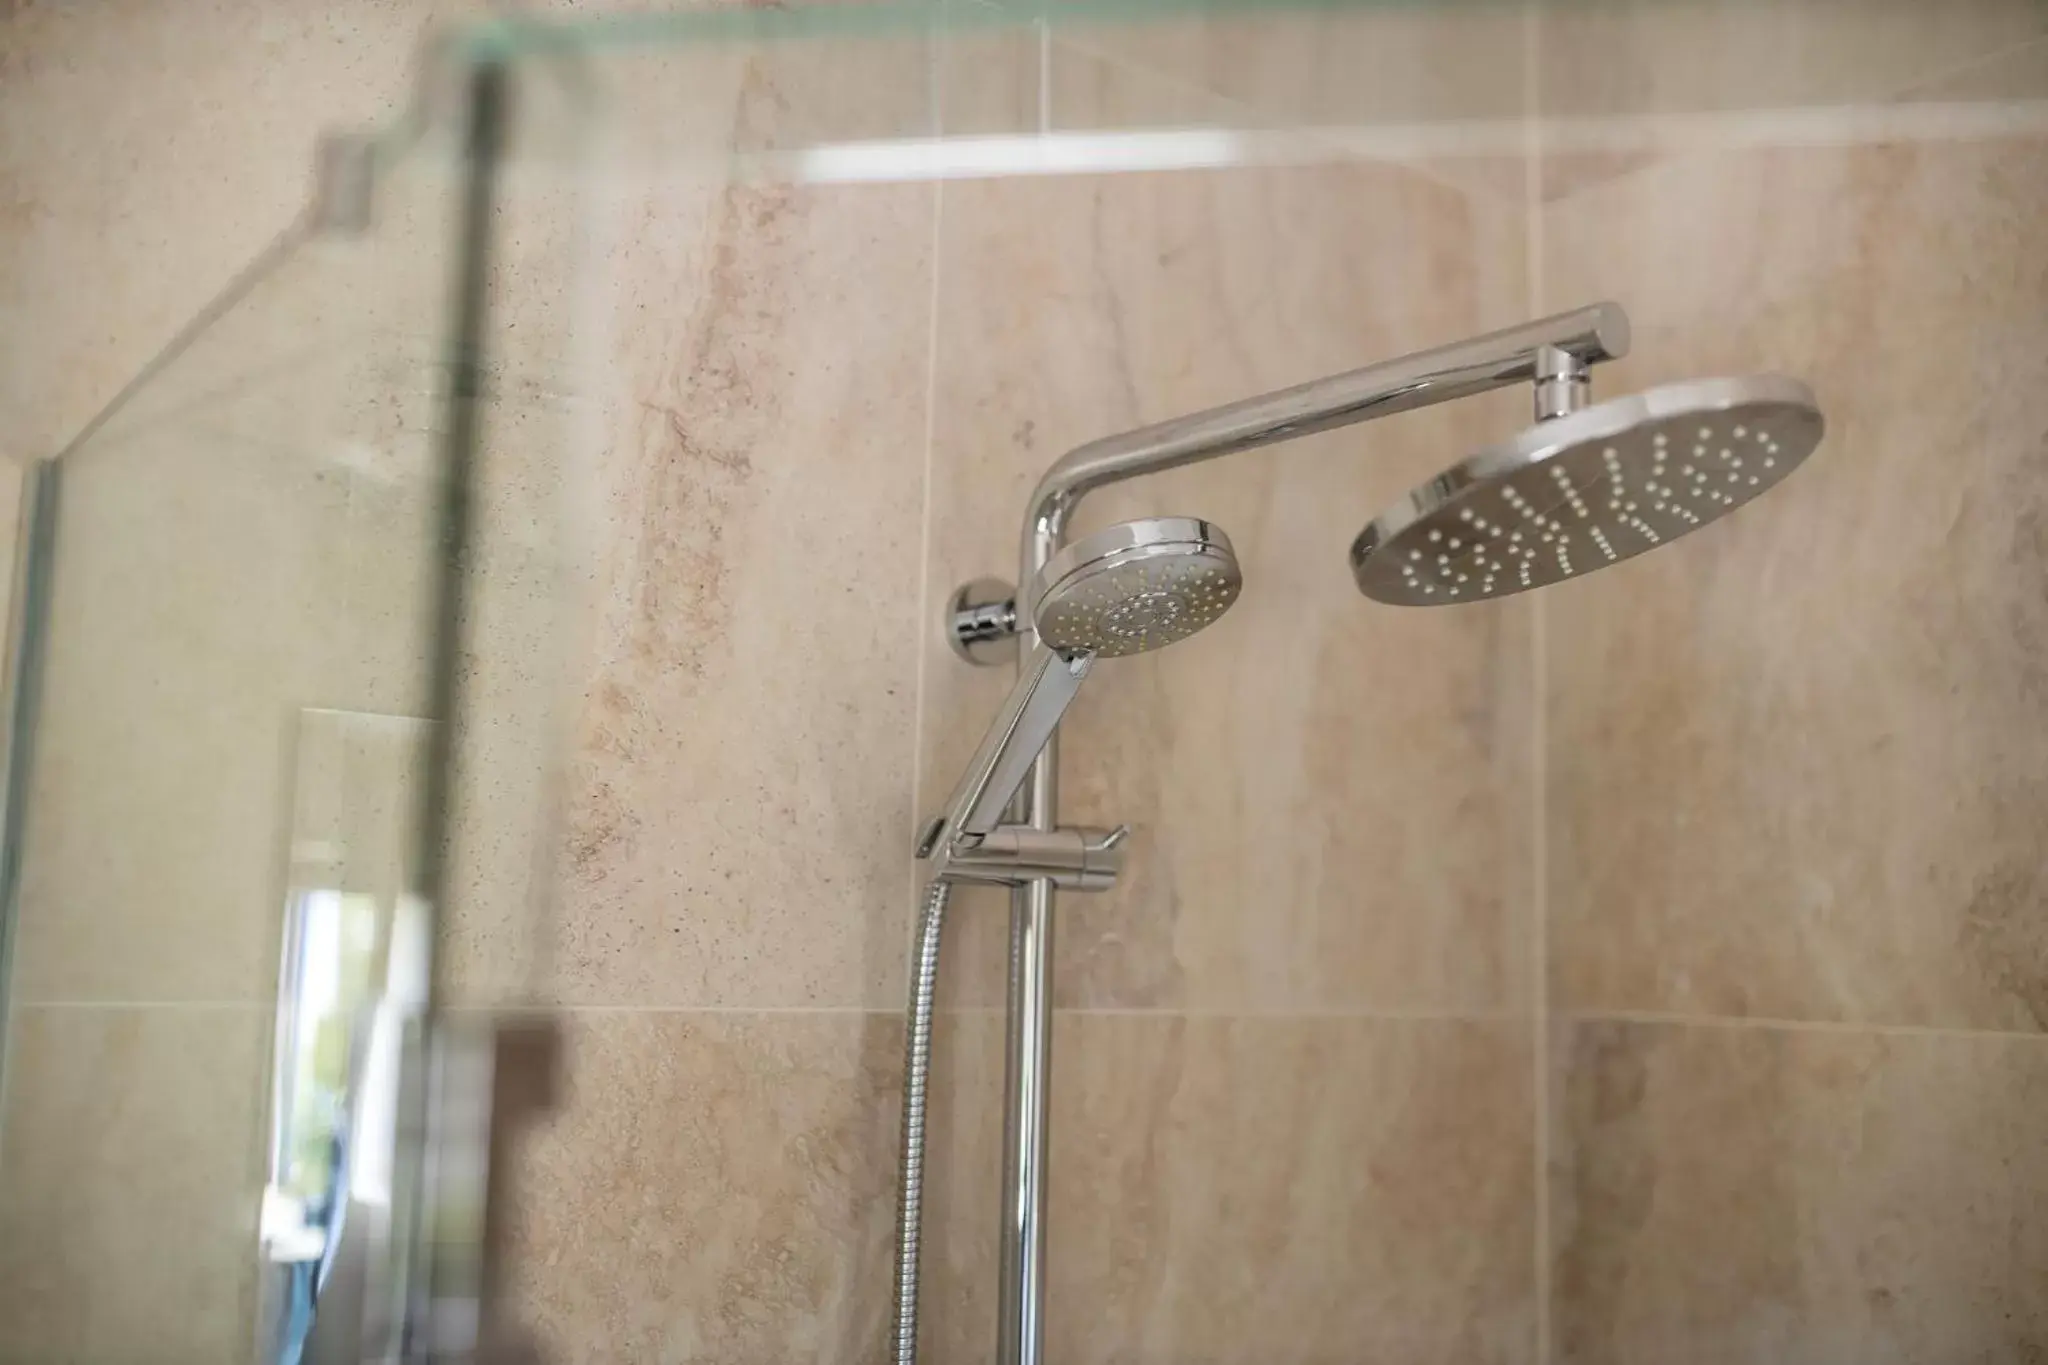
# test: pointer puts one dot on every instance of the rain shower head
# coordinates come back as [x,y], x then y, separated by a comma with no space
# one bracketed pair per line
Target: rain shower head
[1588,489]
[1136,587]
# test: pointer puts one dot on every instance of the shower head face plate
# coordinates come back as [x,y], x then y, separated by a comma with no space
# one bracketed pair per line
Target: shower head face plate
[1136,587]
[1587,490]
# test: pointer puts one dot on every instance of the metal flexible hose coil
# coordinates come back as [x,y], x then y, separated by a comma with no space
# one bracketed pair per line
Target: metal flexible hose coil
[917,1060]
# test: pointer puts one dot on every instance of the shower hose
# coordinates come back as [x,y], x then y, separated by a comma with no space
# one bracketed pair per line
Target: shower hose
[917,1061]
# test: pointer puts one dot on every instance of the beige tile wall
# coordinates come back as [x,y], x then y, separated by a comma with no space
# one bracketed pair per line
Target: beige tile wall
[1728,1192]
[125,1230]
[149,152]
[1842,684]
[1750,1073]
[1794,917]
[763,488]
[1295,1050]
[718,1186]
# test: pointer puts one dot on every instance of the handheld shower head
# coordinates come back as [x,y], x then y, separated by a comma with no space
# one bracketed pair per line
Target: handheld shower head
[1588,489]
[1135,587]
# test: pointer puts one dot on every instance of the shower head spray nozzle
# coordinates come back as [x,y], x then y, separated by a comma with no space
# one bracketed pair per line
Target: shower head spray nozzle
[1588,489]
[1135,587]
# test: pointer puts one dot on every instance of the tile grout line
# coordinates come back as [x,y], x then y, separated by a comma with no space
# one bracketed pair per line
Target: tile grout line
[1764,1024]
[1391,1016]
[168,1005]
[1539,705]
[936,74]
[1653,1018]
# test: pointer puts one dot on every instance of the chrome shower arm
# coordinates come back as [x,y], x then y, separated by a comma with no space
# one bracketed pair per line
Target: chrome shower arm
[1513,355]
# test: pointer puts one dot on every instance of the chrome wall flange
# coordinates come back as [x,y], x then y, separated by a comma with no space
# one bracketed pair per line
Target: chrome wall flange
[981,622]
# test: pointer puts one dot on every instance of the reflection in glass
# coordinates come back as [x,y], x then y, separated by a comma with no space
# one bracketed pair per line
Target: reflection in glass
[352,985]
